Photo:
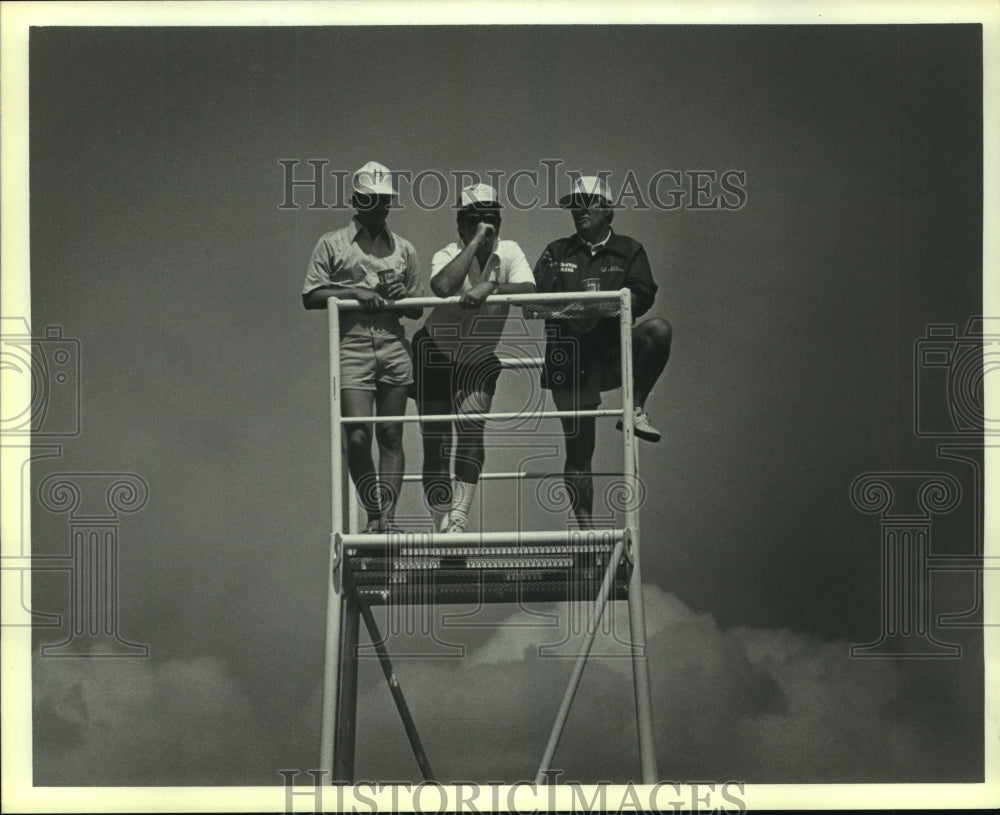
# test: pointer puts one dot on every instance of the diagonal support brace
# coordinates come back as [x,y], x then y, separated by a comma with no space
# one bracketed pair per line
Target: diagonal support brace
[581,662]
[390,674]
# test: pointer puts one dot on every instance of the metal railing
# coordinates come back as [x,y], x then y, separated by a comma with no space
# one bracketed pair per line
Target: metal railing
[343,608]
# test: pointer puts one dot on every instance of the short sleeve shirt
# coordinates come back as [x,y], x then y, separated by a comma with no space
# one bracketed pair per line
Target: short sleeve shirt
[352,257]
[482,326]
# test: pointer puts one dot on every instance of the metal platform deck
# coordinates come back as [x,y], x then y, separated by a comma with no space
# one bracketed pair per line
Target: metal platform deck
[403,574]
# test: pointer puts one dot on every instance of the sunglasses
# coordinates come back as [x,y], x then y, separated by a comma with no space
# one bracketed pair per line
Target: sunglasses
[587,202]
[486,217]
[365,201]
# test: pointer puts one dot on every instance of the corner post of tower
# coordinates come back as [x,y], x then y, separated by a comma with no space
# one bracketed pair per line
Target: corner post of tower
[637,617]
[334,601]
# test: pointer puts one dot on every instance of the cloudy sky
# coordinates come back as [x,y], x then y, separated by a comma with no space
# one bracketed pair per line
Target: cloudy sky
[159,242]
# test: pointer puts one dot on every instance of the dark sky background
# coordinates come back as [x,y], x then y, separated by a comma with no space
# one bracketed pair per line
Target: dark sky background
[158,241]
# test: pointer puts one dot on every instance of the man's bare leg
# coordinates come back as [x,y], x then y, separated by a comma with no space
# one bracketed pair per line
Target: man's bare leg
[391,401]
[360,464]
[650,351]
[580,433]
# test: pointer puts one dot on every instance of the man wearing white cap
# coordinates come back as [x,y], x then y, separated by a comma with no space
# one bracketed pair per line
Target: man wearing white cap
[456,367]
[367,262]
[583,353]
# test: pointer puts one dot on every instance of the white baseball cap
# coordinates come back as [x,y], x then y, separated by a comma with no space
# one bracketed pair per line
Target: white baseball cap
[374,179]
[587,185]
[478,194]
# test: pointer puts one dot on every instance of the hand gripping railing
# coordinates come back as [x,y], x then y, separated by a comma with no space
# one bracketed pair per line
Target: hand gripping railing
[344,604]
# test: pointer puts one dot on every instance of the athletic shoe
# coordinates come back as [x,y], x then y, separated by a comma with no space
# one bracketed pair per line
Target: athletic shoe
[643,429]
[378,528]
[441,520]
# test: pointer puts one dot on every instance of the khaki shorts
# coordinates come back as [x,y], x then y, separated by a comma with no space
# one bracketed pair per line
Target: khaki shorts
[371,356]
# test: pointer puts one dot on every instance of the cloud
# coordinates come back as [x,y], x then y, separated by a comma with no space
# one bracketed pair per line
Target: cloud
[742,704]
[106,722]
[862,720]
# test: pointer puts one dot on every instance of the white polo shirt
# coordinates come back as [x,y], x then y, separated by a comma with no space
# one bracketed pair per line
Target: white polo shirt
[449,323]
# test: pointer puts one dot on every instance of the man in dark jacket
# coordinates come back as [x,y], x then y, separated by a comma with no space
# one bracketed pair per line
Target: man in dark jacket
[583,353]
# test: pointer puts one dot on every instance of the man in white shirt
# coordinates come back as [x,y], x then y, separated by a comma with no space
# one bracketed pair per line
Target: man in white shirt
[455,364]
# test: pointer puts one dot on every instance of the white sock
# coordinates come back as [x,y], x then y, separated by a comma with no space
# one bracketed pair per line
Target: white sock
[442,517]
[462,494]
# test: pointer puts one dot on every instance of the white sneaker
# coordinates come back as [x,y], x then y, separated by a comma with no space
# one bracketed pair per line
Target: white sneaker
[643,429]
[441,519]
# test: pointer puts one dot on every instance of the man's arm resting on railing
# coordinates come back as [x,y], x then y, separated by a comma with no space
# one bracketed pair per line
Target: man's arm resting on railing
[479,293]
[414,312]
[515,288]
[370,300]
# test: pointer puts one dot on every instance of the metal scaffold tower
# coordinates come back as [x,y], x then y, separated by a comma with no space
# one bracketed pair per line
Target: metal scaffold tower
[575,565]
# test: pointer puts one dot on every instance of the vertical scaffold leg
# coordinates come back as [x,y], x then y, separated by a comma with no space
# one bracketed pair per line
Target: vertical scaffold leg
[347,707]
[334,604]
[331,663]
[640,676]
[636,611]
